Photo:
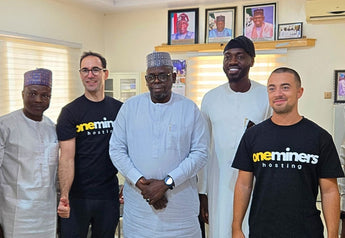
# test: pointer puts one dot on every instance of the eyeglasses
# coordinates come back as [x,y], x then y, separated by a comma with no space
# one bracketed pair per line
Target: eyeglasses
[95,71]
[161,77]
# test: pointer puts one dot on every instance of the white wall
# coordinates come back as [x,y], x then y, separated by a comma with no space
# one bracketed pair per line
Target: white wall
[126,37]
[132,35]
[55,20]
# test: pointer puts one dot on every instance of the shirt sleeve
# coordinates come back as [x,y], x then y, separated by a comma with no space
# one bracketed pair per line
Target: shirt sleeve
[65,127]
[197,157]
[329,166]
[118,149]
[2,143]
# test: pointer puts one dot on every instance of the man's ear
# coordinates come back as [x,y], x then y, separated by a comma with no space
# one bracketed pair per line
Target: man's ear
[300,92]
[174,77]
[253,61]
[106,74]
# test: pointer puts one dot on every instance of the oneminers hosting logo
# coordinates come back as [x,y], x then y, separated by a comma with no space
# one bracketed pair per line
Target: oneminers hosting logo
[96,127]
[286,160]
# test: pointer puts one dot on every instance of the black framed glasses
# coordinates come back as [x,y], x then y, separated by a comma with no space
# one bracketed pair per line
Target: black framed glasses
[95,71]
[161,77]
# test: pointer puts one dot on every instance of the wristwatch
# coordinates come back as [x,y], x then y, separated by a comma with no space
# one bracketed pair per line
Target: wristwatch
[168,180]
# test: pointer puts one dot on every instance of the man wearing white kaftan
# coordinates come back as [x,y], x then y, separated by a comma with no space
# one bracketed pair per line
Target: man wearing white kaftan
[28,165]
[229,113]
[158,135]
[153,140]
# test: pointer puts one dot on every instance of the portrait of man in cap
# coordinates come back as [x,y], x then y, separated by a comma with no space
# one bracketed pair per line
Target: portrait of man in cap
[182,27]
[341,84]
[260,23]
[220,30]
[220,24]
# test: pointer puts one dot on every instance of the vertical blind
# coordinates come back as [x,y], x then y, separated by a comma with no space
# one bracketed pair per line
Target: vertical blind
[206,72]
[18,56]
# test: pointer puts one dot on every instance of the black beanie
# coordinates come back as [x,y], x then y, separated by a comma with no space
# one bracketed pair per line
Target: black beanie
[241,42]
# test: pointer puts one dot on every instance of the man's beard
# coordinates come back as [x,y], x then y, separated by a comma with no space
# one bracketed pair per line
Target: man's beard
[234,78]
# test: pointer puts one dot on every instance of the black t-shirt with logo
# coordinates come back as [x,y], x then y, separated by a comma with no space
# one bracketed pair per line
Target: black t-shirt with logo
[287,162]
[91,123]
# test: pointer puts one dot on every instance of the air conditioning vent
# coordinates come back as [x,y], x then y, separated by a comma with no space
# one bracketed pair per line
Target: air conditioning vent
[317,10]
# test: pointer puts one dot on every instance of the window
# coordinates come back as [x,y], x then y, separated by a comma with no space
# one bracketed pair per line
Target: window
[20,55]
[206,72]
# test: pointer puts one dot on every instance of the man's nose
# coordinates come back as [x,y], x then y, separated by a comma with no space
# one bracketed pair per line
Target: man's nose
[233,60]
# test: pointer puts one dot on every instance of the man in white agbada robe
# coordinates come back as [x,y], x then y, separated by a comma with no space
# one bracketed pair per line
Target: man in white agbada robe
[28,163]
[159,143]
[229,109]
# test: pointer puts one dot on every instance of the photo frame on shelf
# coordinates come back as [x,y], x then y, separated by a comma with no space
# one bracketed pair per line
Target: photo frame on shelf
[183,25]
[339,86]
[220,24]
[290,31]
[179,85]
[259,22]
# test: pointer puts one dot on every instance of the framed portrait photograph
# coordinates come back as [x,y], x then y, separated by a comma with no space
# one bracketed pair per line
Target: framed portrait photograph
[183,26]
[339,86]
[259,22]
[290,31]
[220,24]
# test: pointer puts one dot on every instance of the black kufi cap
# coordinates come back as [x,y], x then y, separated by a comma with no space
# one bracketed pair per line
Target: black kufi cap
[243,43]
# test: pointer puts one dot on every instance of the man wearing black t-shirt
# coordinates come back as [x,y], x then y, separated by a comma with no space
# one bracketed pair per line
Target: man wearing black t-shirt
[290,157]
[88,180]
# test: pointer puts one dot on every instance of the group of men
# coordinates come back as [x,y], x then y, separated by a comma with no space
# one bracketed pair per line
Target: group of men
[174,157]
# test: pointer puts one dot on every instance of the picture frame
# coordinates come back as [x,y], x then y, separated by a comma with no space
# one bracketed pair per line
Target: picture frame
[220,24]
[290,31]
[339,86]
[259,22]
[183,25]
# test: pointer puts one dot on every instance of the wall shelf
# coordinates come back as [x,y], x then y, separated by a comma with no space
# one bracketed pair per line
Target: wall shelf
[219,47]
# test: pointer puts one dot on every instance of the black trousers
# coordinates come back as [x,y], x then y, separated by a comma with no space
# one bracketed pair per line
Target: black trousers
[102,215]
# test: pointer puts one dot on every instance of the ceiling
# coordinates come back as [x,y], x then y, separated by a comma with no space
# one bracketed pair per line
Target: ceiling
[110,6]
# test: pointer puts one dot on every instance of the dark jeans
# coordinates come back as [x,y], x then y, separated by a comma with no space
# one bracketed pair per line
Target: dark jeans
[103,215]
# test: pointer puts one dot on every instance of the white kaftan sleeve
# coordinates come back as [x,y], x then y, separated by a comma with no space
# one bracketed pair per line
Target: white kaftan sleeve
[2,143]
[118,148]
[197,157]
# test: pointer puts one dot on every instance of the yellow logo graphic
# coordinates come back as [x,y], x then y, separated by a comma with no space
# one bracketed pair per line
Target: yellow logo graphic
[285,156]
[94,125]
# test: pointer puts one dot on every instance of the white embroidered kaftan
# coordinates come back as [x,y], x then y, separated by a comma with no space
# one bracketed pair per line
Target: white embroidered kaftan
[28,165]
[228,114]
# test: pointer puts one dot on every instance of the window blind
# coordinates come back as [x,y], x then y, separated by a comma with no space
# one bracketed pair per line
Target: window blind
[206,72]
[20,55]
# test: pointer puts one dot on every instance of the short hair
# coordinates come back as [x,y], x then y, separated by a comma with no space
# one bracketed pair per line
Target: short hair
[291,71]
[90,53]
